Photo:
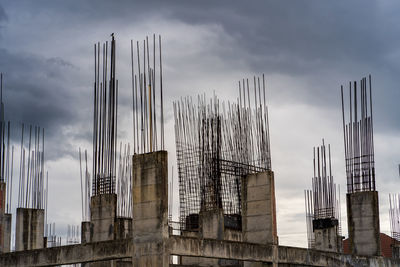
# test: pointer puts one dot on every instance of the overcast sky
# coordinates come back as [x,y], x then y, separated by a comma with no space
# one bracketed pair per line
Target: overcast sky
[306,49]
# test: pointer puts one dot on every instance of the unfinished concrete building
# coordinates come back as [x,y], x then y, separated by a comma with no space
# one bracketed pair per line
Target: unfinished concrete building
[226,186]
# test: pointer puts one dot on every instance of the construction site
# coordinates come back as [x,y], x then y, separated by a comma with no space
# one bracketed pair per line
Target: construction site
[227,199]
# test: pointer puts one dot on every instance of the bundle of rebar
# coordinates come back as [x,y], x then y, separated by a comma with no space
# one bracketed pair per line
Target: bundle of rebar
[105,119]
[359,137]
[147,97]
[6,156]
[394,216]
[323,200]
[33,185]
[216,145]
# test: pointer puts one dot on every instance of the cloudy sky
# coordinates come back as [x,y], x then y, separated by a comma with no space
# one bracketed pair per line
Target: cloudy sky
[306,49]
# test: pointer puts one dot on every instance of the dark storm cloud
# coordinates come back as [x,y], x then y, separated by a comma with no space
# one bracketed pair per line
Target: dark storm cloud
[3,17]
[37,92]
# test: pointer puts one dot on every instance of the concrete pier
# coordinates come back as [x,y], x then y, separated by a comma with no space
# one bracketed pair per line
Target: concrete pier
[363,223]
[29,229]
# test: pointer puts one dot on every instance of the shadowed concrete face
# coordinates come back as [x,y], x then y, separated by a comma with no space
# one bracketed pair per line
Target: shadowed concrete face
[363,223]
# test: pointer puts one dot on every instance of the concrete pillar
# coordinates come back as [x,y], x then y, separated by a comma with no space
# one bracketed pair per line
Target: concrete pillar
[85,232]
[5,232]
[363,223]
[123,228]
[326,235]
[396,250]
[150,208]
[259,212]
[212,224]
[29,229]
[5,221]
[103,213]
[259,208]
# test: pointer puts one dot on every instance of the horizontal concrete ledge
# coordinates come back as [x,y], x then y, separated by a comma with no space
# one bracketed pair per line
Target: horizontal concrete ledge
[89,252]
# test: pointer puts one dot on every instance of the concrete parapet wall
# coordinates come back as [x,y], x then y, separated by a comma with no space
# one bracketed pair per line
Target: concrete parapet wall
[29,229]
[363,223]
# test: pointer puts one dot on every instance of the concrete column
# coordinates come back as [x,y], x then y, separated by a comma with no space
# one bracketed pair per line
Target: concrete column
[212,224]
[150,208]
[123,228]
[326,235]
[103,214]
[396,250]
[363,223]
[29,229]
[259,208]
[5,221]
[5,232]
[259,212]
[85,232]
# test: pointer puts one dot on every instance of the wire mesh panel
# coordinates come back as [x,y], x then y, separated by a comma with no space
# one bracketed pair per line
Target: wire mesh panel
[217,144]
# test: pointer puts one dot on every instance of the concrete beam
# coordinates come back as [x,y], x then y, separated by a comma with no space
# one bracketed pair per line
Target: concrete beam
[287,256]
[90,252]
[211,248]
[186,246]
